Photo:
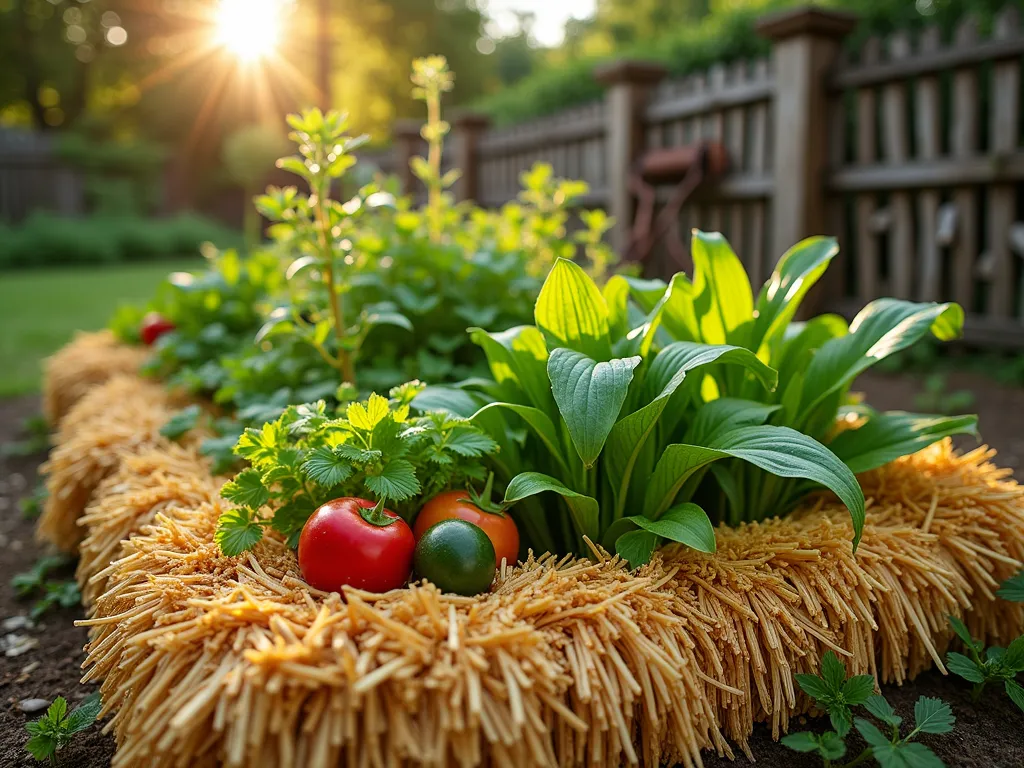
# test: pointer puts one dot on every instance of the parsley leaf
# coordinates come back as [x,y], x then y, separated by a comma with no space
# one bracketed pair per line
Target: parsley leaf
[237,531]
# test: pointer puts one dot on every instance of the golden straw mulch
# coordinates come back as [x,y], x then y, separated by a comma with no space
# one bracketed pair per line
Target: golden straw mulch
[209,660]
[90,359]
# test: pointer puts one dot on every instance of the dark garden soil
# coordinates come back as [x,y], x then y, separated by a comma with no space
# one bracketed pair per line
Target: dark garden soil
[989,734]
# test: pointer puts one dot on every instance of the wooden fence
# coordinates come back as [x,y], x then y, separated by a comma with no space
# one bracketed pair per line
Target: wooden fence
[31,178]
[909,152]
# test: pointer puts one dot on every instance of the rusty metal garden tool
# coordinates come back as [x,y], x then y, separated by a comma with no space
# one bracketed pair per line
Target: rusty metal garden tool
[688,167]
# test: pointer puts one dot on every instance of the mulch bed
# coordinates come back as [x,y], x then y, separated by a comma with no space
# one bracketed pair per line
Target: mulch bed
[985,733]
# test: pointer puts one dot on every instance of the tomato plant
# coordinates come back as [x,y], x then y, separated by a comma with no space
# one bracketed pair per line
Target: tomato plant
[154,325]
[355,542]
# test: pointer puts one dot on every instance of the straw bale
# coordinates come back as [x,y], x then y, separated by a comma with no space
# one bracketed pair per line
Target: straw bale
[214,660]
[89,360]
[120,417]
[143,485]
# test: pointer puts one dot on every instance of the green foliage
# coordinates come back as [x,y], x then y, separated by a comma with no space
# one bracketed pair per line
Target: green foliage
[46,239]
[49,593]
[935,396]
[373,449]
[31,506]
[998,665]
[669,399]
[55,730]
[36,439]
[1013,589]
[838,695]
[721,37]
[121,178]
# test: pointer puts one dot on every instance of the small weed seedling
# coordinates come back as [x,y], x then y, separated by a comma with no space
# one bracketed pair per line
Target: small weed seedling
[31,506]
[998,665]
[50,592]
[54,730]
[36,440]
[837,695]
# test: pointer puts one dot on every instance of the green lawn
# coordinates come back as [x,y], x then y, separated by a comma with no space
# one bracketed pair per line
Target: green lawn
[41,309]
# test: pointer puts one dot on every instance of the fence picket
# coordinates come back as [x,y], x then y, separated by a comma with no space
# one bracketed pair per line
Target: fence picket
[900,243]
[866,154]
[1002,200]
[927,119]
[964,143]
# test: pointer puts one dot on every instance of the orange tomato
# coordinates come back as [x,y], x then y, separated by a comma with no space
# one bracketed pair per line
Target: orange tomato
[499,526]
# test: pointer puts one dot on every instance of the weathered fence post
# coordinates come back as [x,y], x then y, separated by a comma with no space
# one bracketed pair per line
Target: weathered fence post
[467,128]
[806,43]
[407,144]
[628,85]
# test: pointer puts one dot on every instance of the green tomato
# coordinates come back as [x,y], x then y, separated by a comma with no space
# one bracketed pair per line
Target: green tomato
[456,556]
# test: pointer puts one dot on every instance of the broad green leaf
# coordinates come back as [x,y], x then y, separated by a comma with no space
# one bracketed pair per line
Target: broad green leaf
[686,355]
[858,689]
[1015,692]
[326,467]
[870,732]
[933,716]
[84,714]
[779,450]
[686,524]
[963,633]
[1013,589]
[799,343]
[1013,657]
[724,415]
[520,356]
[841,718]
[887,436]
[539,422]
[880,708]
[801,742]
[572,312]
[833,671]
[882,328]
[237,532]
[246,490]
[630,434]
[396,481]
[646,293]
[636,547]
[583,508]
[814,686]
[589,396]
[964,667]
[831,745]
[794,275]
[457,402]
[722,298]
[905,755]
[679,316]
[616,298]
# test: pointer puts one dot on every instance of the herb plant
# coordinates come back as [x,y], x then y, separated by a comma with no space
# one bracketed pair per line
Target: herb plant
[55,730]
[49,593]
[1013,589]
[375,449]
[998,665]
[654,408]
[837,695]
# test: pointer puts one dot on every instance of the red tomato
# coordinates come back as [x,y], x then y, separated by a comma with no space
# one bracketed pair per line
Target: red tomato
[154,325]
[499,527]
[338,546]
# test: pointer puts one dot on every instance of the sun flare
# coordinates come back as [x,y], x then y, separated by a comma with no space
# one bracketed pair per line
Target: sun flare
[249,28]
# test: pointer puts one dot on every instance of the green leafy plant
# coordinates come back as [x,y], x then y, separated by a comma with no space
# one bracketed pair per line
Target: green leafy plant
[691,401]
[937,398]
[431,79]
[316,226]
[1013,589]
[838,695]
[55,730]
[998,665]
[375,449]
[31,506]
[49,593]
[28,582]
[36,440]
